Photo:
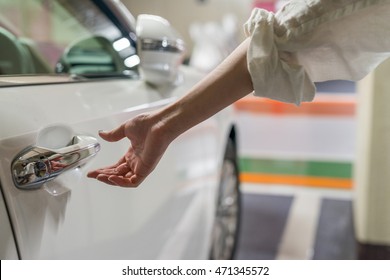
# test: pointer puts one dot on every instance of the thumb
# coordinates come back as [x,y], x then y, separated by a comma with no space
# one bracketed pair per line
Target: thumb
[113,135]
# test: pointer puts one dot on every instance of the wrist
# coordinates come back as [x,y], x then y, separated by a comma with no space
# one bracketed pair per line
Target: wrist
[166,124]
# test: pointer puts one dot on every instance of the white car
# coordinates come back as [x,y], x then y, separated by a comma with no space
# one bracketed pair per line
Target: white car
[69,69]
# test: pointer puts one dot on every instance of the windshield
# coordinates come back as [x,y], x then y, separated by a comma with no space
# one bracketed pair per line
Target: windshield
[64,36]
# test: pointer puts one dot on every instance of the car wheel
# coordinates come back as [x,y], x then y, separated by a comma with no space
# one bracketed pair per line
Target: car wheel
[228,210]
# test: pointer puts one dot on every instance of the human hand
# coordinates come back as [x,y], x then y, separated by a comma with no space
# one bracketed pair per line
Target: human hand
[146,150]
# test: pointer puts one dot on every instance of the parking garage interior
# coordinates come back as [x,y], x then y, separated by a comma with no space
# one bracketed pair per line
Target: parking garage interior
[314,177]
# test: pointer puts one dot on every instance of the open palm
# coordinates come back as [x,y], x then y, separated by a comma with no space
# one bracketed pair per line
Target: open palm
[146,150]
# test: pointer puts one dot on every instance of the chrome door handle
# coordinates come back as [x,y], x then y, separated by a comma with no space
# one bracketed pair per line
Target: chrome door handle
[34,165]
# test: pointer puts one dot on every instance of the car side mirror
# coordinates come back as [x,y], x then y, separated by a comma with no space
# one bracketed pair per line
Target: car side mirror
[160,48]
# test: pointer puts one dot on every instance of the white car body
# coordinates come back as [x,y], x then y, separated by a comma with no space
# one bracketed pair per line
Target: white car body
[170,216]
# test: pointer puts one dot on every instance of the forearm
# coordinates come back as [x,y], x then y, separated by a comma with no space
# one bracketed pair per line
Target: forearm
[229,82]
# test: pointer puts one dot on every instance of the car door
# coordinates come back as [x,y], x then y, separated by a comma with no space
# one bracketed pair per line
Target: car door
[71,216]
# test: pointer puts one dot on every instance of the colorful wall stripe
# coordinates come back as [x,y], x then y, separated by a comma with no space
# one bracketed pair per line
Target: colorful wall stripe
[322,106]
[318,173]
[296,172]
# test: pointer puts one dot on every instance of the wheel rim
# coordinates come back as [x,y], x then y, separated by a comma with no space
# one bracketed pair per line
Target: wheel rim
[226,222]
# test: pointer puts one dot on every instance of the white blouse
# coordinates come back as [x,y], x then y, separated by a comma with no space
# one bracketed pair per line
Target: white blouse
[315,40]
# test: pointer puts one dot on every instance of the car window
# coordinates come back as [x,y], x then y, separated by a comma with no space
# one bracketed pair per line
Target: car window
[63,37]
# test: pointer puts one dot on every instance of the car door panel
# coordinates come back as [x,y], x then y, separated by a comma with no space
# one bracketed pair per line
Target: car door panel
[8,249]
[76,217]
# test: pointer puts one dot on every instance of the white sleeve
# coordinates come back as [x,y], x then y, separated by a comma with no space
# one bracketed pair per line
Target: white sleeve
[315,40]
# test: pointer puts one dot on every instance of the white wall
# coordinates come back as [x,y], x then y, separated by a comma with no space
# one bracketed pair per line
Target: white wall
[372,176]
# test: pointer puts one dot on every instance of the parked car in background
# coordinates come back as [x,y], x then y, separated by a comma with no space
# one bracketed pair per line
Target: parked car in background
[68,69]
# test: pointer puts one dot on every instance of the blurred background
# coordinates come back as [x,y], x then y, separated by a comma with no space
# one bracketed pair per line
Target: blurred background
[314,177]
[187,13]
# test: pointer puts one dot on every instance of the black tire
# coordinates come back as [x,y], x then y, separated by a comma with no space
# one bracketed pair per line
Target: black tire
[228,211]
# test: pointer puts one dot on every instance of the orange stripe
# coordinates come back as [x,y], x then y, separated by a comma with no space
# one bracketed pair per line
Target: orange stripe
[338,183]
[321,106]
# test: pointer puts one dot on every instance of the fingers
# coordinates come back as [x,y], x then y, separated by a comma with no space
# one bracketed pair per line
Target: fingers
[121,181]
[93,174]
[129,182]
[120,176]
[117,175]
[116,169]
[113,135]
[109,170]
[105,179]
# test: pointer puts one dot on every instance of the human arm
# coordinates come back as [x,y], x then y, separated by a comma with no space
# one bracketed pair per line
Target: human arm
[150,134]
[286,53]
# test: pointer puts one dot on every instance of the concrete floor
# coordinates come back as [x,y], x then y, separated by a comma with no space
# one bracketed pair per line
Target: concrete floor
[295,223]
